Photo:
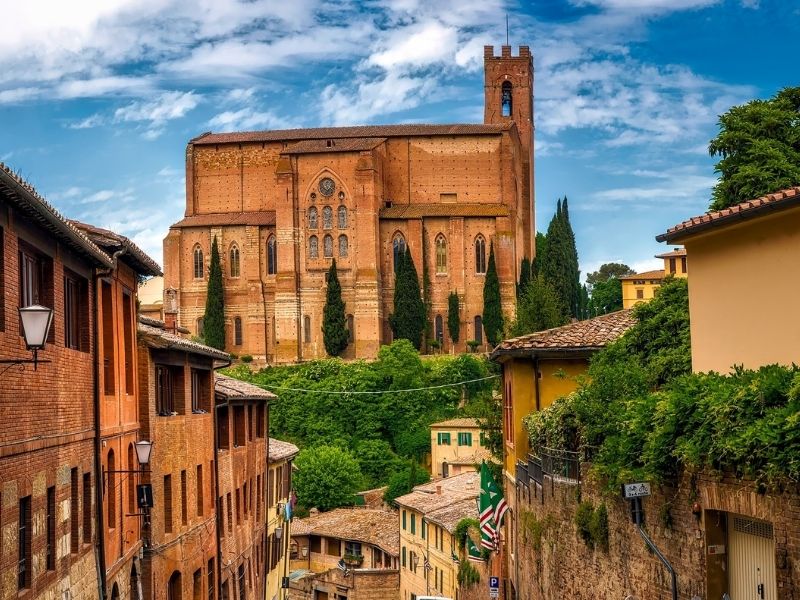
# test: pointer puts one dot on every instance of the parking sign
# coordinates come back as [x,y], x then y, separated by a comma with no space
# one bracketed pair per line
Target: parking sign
[494,587]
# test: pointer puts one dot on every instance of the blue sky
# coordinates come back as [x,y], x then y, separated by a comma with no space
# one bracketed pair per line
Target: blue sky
[98,98]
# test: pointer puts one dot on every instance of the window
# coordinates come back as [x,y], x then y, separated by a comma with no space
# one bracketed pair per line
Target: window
[307,329]
[313,247]
[50,524]
[175,587]
[128,339]
[87,508]
[132,465]
[260,418]
[230,513]
[672,265]
[184,498]
[398,249]
[480,255]
[33,271]
[327,244]
[351,329]
[234,254]
[439,329]
[342,246]
[111,497]
[639,294]
[478,326]
[107,306]
[413,523]
[505,99]
[327,217]
[201,326]
[210,574]
[200,491]
[201,390]
[443,438]
[24,544]
[197,585]
[168,503]
[74,531]
[508,413]
[352,548]
[464,439]
[404,520]
[272,255]
[441,255]
[223,428]
[312,217]
[238,426]
[237,331]
[683,264]
[240,582]
[403,557]
[164,391]
[315,544]
[342,214]
[199,271]
[76,310]
[334,547]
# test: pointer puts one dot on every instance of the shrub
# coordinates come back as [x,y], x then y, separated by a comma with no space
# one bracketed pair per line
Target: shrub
[247,358]
[467,574]
[583,521]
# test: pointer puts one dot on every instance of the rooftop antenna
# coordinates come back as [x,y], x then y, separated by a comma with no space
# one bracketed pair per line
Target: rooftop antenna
[506,29]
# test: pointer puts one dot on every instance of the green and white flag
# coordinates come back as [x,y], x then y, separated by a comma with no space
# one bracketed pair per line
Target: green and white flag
[491,508]
[473,552]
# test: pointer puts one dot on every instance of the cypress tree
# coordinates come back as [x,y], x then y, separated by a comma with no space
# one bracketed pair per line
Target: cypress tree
[453,317]
[492,310]
[524,276]
[572,269]
[334,322]
[214,318]
[553,264]
[408,319]
[541,253]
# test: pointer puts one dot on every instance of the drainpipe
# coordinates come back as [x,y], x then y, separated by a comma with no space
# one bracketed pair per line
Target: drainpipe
[536,381]
[265,489]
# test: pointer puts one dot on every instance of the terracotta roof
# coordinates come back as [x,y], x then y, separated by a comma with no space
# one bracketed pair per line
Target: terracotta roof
[657,274]
[459,422]
[746,210]
[156,337]
[675,253]
[280,450]
[112,242]
[23,196]
[426,498]
[455,209]
[589,335]
[366,525]
[475,458]
[360,131]
[236,389]
[262,217]
[334,145]
[449,516]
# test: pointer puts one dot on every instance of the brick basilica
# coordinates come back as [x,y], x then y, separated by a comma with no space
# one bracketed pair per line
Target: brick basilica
[283,204]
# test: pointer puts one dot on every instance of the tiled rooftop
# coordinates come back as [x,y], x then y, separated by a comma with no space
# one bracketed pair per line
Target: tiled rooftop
[377,527]
[591,334]
[280,450]
[111,242]
[334,145]
[656,274]
[441,493]
[449,516]
[231,389]
[475,458]
[361,131]
[677,252]
[447,209]
[459,422]
[261,217]
[156,337]
[780,200]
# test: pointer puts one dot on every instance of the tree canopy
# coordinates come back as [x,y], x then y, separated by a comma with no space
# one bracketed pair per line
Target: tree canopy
[214,318]
[759,149]
[492,309]
[453,317]
[538,308]
[606,288]
[608,271]
[334,323]
[327,477]
[559,265]
[409,317]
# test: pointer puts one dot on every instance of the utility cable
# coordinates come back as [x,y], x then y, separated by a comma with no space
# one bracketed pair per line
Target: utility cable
[340,392]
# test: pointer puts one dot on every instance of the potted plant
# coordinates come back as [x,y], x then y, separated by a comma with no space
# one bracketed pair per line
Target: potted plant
[353,560]
[472,345]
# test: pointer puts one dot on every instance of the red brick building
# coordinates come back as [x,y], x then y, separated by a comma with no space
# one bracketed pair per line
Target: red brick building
[47,482]
[283,204]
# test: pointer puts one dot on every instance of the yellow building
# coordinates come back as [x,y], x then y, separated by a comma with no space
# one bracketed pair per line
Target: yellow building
[364,540]
[428,519]
[456,447]
[151,298]
[539,368]
[281,455]
[641,287]
[743,295]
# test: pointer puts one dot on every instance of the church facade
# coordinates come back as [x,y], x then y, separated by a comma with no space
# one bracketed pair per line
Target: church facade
[283,205]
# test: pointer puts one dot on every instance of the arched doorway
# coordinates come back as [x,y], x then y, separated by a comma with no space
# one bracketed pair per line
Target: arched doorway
[175,587]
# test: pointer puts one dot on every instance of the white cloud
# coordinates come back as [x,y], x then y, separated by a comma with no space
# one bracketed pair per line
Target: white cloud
[649,6]
[104,196]
[247,118]
[675,187]
[416,45]
[168,106]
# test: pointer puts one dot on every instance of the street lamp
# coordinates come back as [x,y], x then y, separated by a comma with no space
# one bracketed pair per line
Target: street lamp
[278,533]
[36,321]
[143,449]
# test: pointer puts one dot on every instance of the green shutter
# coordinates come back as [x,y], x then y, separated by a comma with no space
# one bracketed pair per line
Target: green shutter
[413,524]
[424,528]
[404,556]
[469,439]
[404,520]
[439,438]
[446,438]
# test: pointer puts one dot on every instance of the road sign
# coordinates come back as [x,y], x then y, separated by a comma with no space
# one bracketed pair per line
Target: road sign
[635,490]
[494,587]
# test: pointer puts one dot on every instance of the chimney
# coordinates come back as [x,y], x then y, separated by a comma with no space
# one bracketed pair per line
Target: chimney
[438,490]
[171,322]
[313,512]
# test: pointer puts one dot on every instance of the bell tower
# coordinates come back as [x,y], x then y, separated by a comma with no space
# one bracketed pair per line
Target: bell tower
[508,97]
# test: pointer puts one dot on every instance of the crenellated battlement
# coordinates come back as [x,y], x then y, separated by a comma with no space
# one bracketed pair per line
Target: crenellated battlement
[505,52]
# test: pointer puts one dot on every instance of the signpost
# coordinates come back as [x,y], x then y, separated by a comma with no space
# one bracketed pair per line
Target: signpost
[494,587]
[633,493]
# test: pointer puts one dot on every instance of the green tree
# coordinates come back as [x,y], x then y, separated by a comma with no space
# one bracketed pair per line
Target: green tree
[426,291]
[541,254]
[559,266]
[402,482]
[606,297]
[327,477]
[453,317]
[214,318]
[334,323]
[524,276]
[492,309]
[759,149]
[607,271]
[538,309]
[408,319]
[377,461]
[573,271]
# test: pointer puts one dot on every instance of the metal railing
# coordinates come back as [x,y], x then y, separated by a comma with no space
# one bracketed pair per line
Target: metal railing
[562,465]
[535,469]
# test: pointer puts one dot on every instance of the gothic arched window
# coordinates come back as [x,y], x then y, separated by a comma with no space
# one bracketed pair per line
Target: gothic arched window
[505,99]
[201,326]
[307,329]
[398,248]
[327,246]
[478,334]
[439,327]
[313,247]
[351,329]
[480,255]
[312,217]
[441,254]
[272,255]
[342,212]
[342,246]
[327,217]
[234,260]
[237,331]
[198,263]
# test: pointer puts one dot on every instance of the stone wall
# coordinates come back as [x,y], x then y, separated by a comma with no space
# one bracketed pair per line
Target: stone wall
[553,561]
[361,584]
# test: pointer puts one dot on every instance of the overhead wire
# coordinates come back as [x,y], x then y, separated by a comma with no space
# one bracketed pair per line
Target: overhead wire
[378,392]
